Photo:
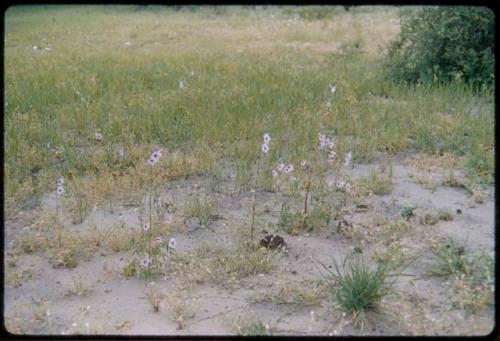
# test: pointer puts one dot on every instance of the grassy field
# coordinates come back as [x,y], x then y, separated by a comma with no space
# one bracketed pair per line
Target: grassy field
[204,85]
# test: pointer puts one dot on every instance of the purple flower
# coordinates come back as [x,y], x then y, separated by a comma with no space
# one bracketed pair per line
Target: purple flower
[288,168]
[281,167]
[60,190]
[98,136]
[172,243]
[265,148]
[303,163]
[152,161]
[274,173]
[60,181]
[121,152]
[145,262]
[146,226]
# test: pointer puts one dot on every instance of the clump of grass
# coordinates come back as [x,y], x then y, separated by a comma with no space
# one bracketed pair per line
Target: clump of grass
[376,183]
[222,265]
[429,219]
[251,327]
[30,243]
[450,258]
[179,310]
[408,212]
[356,287]
[445,215]
[17,278]
[200,206]
[154,296]
[79,287]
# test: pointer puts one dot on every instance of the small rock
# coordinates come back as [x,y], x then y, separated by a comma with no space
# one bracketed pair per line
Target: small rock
[459,211]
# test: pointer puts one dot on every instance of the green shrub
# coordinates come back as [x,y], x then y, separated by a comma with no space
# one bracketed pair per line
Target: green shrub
[444,43]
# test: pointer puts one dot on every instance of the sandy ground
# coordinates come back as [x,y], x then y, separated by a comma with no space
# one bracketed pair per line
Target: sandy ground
[117,305]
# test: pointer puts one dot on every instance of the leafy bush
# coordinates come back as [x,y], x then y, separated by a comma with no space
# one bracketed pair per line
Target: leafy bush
[444,43]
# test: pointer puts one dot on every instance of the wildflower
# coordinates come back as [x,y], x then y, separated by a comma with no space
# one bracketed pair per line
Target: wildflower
[47,49]
[98,136]
[303,163]
[348,158]
[60,190]
[328,104]
[192,73]
[340,183]
[145,262]
[329,183]
[288,168]
[172,243]
[267,138]
[331,144]
[322,137]
[121,152]
[156,155]
[146,226]
[35,47]
[265,148]
[181,84]
[60,181]
[333,88]
[281,167]
[128,43]
[274,173]
[152,161]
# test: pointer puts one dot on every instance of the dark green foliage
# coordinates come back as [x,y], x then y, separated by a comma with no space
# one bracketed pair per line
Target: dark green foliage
[444,43]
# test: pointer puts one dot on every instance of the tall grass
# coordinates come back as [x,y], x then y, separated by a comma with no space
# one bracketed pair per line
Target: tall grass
[90,80]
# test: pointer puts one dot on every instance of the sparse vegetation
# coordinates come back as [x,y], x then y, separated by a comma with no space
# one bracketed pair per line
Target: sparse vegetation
[127,128]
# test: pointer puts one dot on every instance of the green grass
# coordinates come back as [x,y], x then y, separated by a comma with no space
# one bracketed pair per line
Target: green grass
[91,81]
[356,287]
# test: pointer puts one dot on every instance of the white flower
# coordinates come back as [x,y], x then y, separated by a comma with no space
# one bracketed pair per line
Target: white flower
[98,136]
[128,43]
[35,47]
[339,183]
[328,104]
[265,148]
[192,73]
[146,226]
[47,49]
[330,183]
[348,158]
[281,167]
[121,152]
[274,173]
[60,181]
[172,243]
[267,138]
[60,190]
[333,88]
[181,84]
[331,144]
[303,163]
[322,137]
